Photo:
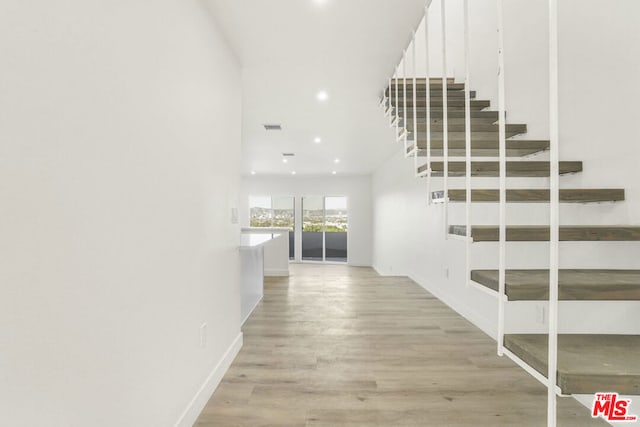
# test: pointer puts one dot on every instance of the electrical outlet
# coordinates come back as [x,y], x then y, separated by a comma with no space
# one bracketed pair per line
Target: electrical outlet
[541,314]
[203,335]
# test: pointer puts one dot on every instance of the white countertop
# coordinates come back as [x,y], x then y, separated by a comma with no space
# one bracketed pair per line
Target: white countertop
[252,240]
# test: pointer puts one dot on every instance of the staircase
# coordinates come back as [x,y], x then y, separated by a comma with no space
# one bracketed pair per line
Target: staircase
[587,363]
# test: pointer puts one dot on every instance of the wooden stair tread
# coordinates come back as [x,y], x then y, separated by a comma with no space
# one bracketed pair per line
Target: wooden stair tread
[515,148]
[460,127]
[480,152]
[540,233]
[435,92]
[491,168]
[573,284]
[451,87]
[453,114]
[424,79]
[437,102]
[587,363]
[590,195]
[461,136]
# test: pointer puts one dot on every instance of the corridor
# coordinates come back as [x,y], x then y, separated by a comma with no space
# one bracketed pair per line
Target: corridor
[338,346]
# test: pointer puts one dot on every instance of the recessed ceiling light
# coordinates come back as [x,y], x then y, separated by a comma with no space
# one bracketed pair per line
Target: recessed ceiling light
[322,95]
[334,173]
[285,160]
[253,172]
[336,161]
[293,173]
[317,140]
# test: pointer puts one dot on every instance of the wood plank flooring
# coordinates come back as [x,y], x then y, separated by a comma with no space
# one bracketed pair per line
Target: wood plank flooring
[342,346]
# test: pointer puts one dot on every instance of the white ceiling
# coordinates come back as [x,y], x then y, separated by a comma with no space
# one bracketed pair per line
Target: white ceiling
[290,50]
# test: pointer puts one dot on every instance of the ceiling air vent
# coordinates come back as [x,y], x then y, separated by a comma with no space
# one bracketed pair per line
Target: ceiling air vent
[272,127]
[288,154]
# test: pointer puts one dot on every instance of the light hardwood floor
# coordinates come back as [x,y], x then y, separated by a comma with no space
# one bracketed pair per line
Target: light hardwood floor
[342,346]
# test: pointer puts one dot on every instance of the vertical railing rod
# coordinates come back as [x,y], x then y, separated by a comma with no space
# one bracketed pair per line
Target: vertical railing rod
[389,104]
[503,183]
[396,102]
[404,101]
[445,120]
[467,127]
[428,101]
[554,213]
[392,105]
[414,133]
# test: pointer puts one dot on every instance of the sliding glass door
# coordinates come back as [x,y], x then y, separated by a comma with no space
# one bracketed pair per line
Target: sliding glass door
[324,228]
[336,223]
[313,228]
[284,217]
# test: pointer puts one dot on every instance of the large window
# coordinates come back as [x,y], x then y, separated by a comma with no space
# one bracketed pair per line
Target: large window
[278,212]
[324,228]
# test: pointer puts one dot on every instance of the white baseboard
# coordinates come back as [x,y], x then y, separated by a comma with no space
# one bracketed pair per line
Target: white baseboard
[197,404]
[276,273]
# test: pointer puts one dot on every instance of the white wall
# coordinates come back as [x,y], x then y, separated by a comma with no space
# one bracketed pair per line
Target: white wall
[119,159]
[599,63]
[356,188]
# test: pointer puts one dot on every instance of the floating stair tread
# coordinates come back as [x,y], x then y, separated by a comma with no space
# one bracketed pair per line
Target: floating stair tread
[453,114]
[481,152]
[590,195]
[492,168]
[587,363]
[435,92]
[437,102]
[515,148]
[424,79]
[475,136]
[591,284]
[460,127]
[540,233]
[423,82]
[485,143]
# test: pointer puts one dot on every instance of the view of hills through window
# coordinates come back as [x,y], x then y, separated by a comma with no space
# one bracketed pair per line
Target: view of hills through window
[331,218]
[272,212]
[324,223]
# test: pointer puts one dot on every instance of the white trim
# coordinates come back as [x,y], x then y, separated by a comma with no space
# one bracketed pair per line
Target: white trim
[197,404]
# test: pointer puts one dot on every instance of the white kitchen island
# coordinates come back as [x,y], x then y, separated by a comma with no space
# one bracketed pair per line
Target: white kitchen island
[252,270]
